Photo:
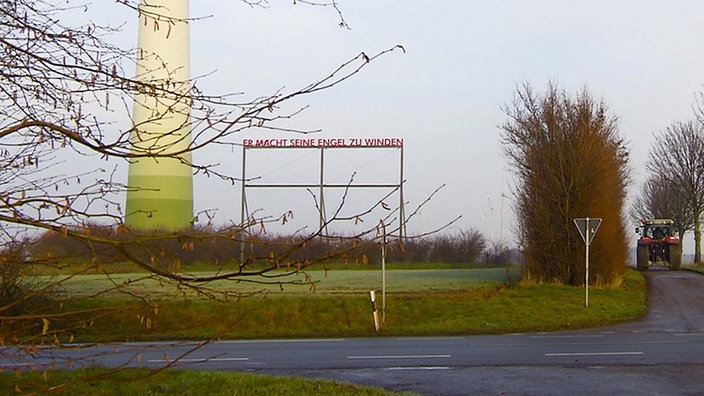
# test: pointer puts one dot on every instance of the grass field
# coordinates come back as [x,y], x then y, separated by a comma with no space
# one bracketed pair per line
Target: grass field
[326,282]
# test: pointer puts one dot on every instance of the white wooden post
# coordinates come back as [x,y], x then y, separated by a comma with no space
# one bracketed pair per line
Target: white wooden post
[372,294]
[586,266]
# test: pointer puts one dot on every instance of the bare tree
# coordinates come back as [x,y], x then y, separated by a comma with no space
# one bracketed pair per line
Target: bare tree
[570,163]
[660,199]
[677,157]
[63,88]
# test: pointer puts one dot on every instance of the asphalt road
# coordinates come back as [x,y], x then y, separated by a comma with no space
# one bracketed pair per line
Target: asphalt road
[659,355]
[662,354]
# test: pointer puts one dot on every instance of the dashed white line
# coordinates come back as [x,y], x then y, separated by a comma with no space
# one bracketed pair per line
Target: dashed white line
[400,357]
[281,341]
[198,360]
[567,336]
[417,368]
[593,354]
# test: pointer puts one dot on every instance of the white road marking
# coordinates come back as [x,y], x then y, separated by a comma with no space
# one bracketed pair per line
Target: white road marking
[19,364]
[568,336]
[280,341]
[593,354]
[417,368]
[198,360]
[190,343]
[400,357]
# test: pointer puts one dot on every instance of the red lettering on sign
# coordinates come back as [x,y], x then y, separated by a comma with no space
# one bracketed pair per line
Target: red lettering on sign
[325,142]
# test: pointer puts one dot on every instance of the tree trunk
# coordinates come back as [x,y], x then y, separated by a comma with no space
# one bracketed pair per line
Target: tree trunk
[697,240]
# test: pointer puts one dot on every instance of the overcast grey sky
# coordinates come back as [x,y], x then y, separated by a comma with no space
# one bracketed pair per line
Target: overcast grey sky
[443,96]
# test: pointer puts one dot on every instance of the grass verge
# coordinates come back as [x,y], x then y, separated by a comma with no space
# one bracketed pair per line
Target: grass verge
[98,381]
[481,309]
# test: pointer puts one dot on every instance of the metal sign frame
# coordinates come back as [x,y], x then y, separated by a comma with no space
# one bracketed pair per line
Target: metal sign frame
[321,186]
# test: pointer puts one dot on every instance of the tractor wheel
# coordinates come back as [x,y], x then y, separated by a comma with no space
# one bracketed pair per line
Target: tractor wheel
[675,252]
[642,257]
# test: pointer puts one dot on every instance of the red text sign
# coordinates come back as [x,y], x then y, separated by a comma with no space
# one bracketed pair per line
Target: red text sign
[324,142]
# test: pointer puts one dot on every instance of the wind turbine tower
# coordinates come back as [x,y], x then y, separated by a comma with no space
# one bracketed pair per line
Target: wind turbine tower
[160,185]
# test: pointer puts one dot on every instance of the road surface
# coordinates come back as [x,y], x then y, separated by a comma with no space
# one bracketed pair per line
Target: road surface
[661,354]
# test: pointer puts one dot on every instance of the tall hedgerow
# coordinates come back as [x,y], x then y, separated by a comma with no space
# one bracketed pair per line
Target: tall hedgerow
[570,162]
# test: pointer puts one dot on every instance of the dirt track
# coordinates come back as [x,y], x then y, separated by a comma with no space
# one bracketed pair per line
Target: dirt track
[675,303]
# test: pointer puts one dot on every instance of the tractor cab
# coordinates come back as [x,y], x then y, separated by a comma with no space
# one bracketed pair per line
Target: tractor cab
[658,245]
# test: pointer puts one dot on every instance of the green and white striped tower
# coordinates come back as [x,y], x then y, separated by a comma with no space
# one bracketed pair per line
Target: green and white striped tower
[160,194]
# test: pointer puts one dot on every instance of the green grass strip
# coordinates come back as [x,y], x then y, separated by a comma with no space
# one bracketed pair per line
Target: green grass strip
[100,381]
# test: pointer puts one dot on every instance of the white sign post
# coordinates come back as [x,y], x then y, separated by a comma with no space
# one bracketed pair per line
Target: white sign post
[587,229]
[383,272]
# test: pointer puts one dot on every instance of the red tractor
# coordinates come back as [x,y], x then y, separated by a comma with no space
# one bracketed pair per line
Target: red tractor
[658,245]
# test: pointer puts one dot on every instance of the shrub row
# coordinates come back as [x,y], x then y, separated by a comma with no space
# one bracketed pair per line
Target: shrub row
[220,247]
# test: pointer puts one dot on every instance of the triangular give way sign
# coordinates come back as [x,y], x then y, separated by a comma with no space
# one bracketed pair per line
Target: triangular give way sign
[587,227]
